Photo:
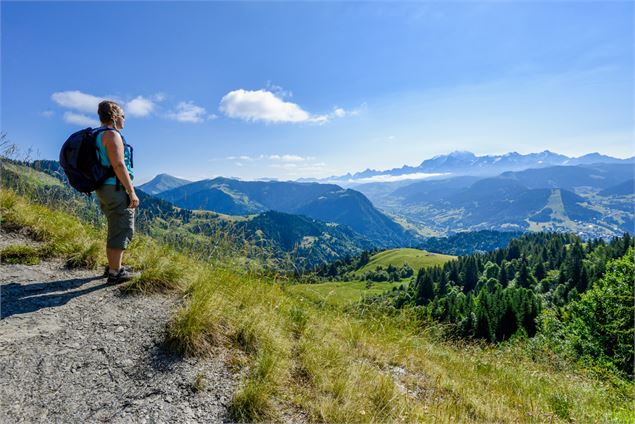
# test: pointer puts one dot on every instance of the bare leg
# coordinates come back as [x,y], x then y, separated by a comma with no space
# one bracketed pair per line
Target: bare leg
[114,258]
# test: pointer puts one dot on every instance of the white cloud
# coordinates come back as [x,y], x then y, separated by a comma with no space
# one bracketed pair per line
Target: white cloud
[392,178]
[80,119]
[268,106]
[139,106]
[47,113]
[188,112]
[261,105]
[339,112]
[77,100]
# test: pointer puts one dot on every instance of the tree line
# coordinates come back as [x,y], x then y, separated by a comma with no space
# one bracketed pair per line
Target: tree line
[494,295]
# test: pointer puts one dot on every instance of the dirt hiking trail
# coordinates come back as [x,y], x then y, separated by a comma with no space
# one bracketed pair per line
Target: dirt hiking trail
[74,349]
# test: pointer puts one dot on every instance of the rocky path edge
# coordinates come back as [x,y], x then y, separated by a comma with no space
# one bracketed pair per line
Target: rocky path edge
[75,349]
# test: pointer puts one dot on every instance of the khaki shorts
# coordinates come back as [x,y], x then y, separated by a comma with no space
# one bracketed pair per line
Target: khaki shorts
[114,204]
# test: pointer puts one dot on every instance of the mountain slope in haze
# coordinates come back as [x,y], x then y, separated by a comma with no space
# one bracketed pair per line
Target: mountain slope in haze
[597,176]
[161,183]
[352,208]
[560,198]
[325,202]
[627,188]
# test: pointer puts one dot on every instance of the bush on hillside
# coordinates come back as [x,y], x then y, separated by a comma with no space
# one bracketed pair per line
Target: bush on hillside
[599,326]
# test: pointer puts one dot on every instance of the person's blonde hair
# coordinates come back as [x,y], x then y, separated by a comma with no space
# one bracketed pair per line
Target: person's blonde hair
[108,111]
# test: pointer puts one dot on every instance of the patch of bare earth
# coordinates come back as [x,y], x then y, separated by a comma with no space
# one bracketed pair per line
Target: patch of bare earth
[75,349]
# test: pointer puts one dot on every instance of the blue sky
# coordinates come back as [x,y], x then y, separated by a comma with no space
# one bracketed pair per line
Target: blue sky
[312,89]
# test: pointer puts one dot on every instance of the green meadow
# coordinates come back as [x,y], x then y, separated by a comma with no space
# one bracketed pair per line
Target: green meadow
[415,258]
[339,293]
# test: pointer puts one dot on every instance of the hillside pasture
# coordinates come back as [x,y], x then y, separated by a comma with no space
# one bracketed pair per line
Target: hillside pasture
[339,293]
[415,258]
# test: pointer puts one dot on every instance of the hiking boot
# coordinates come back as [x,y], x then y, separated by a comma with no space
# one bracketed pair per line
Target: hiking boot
[107,269]
[122,276]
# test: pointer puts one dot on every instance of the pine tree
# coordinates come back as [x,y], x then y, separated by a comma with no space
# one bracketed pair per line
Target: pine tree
[513,250]
[502,274]
[425,288]
[523,279]
[583,281]
[363,259]
[508,323]
[470,275]
[573,263]
[483,317]
[539,271]
[443,284]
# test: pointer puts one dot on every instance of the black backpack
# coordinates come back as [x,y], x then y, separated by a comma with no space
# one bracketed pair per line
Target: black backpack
[79,159]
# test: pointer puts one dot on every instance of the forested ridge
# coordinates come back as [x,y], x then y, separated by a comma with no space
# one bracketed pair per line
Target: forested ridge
[547,278]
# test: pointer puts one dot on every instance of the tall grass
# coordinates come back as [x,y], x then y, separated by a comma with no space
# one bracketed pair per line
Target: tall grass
[299,353]
[81,244]
[62,235]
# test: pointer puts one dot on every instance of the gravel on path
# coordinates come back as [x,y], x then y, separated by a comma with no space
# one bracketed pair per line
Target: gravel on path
[75,349]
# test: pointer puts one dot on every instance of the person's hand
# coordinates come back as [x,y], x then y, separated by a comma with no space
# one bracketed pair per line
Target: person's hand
[134,200]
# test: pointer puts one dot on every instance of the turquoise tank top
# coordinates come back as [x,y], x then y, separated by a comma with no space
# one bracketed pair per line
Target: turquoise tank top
[105,161]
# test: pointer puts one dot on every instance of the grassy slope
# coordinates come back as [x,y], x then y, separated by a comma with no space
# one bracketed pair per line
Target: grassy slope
[31,176]
[397,257]
[338,367]
[339,293]
[342,293]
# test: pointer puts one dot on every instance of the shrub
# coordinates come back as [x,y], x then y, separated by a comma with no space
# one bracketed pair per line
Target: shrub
[20,254]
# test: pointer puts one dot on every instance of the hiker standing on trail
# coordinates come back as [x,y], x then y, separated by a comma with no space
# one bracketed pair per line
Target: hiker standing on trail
[117,196]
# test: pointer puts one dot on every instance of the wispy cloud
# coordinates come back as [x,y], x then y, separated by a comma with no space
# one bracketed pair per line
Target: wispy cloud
[77,100]
[287,158]
[188,112]
[80,119]
[274,158]
[296,170]
[338,112]
[292,165]
[278,90]
[47,113]
[242,158]
[393,178]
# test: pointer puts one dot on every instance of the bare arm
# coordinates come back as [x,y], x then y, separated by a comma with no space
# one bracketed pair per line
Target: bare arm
[114,147]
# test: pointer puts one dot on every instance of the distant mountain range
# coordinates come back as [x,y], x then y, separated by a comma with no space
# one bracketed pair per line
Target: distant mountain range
[467,163]
[324,202]
[591,195]
[591,200]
